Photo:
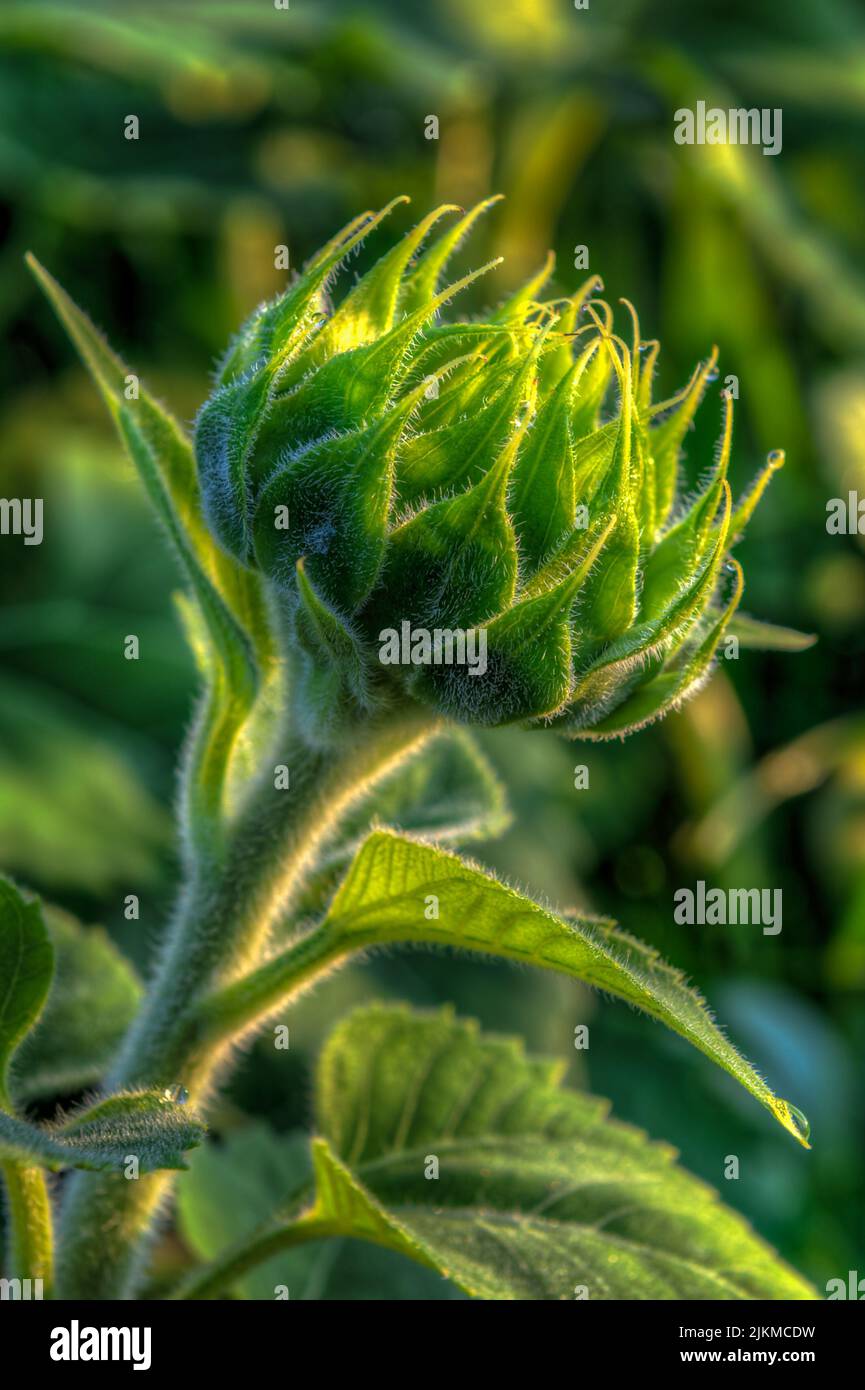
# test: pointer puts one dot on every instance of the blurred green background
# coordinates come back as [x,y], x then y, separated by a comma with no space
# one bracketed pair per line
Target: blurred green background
[261,126]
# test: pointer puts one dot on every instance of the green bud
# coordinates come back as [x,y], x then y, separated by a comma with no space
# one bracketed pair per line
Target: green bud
[486,517]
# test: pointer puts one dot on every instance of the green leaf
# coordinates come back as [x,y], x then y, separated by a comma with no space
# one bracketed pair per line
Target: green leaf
[163,457]
[337,494]
[541,496]
[229,597]
[454,564]
[768,637]
[520,304]
[231,1188]
[609,598]
[529,669]
[26,968]
[670,688]
[333,676]
[448,792]
[150,1126]
[369,309]
[673,561]
[607,680]
[668,434]
[462,451]
[596,372]
[346,392]
[386,897]
[538,1195]
[228,638]
[421,284]
[459,1151]
[93,1000]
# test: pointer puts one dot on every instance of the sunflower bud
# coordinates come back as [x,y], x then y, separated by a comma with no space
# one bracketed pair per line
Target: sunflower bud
[484,517]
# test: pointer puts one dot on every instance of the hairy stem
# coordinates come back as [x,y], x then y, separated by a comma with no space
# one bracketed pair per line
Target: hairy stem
[230,1266]
[30,1230]
[269,1240]
[230,1011]
[220,928]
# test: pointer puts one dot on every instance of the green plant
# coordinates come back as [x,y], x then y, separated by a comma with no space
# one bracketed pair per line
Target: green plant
[357,468]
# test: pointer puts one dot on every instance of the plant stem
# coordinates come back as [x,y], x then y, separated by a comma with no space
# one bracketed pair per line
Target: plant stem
[228,1267]
[219,931]
[228,1012]
[30,1236]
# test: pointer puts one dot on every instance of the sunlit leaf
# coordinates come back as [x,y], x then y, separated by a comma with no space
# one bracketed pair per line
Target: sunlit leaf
[534,1192]
[392,882]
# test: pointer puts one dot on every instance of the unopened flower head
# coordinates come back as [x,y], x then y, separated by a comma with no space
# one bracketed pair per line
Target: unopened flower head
[511,474]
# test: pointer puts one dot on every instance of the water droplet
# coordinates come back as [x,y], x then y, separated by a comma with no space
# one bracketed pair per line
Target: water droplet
[599,284]
[800,1122]
[712,374]
[177,1094]
[775,456]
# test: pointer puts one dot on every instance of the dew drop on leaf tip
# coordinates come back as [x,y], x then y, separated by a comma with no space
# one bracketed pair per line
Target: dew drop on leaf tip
[799,1121]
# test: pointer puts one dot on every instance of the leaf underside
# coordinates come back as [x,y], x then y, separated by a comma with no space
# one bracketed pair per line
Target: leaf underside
[388,896]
